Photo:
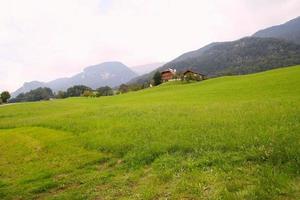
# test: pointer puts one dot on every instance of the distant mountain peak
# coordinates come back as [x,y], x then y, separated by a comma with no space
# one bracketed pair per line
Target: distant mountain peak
[111,73]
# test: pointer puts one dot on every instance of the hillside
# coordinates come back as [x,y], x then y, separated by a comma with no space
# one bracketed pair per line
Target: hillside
[108,73]
[244,56]
[247,55]
[269,48]
[225,138]
[289,31]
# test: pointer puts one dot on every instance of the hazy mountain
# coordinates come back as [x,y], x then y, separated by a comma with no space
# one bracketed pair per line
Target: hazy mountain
[289,31]
[108,73]
[143,69]
[27,86]
[247,55]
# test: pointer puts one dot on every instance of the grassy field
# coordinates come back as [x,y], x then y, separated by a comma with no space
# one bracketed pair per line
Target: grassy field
[226,138]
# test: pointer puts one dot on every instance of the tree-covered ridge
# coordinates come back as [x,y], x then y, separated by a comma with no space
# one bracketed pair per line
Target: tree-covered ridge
[289,31]
[247,55]
[244,56]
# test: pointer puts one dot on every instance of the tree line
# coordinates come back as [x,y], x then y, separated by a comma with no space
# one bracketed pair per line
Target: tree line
[44,93]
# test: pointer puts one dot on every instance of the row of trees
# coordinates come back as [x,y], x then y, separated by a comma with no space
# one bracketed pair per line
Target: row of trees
[34,95]
[82,90]
[75,91]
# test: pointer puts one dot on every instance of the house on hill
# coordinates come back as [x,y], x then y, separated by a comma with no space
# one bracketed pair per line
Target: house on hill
[168,74]
[194,75]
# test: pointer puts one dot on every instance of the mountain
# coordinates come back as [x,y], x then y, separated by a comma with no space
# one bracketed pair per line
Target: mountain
[247,55]
[143,69]
[27,86]
[273,47]
[289,31]
[108,73]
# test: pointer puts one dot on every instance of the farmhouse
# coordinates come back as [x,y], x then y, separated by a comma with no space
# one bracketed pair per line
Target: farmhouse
[168,74]
[194,74]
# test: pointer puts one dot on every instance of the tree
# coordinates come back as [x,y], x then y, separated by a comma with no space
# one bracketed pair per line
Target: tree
[105,91]
[61,95]
[5,96]
[40,94]
[123,88]
[157,78]
[77,90]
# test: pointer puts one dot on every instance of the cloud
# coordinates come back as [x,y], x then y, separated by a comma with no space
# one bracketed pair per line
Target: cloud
[47,39]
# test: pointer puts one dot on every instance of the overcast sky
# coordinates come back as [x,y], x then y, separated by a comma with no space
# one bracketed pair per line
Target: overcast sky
[47,39]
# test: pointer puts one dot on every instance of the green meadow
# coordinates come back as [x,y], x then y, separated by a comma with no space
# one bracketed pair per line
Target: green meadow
[235,137]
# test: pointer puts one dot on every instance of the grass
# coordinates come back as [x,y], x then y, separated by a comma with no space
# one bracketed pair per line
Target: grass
[232,137]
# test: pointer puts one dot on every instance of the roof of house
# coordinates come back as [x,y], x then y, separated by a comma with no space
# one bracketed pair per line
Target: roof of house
[168,71]
[187,71]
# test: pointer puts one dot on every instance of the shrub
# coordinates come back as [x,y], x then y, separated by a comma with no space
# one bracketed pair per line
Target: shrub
[157,78]
[61,95]
[88,93]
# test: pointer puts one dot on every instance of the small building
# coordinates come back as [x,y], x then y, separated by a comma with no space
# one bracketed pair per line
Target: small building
[168,74]
[191,73]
